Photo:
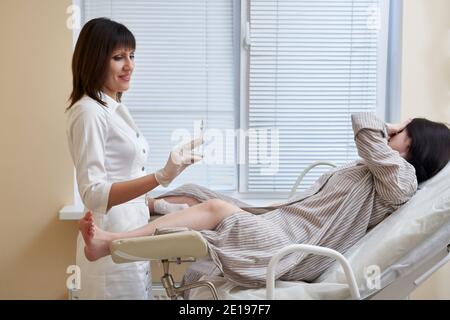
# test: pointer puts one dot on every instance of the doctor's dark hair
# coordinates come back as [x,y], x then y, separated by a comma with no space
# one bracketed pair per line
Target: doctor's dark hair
[429,151]
[97,40]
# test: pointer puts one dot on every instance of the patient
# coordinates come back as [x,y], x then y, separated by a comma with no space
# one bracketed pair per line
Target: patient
[335,212]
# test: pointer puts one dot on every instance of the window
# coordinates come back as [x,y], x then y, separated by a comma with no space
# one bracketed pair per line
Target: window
[291,79]
[312,64]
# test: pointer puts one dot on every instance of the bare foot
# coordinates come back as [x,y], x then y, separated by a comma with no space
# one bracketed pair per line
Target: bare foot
[97,240]
[86,227]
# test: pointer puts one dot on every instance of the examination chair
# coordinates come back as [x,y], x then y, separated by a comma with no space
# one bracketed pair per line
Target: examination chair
[389,262]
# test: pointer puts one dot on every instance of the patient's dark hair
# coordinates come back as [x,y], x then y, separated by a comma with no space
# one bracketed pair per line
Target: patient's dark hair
[430,147]
[97,40]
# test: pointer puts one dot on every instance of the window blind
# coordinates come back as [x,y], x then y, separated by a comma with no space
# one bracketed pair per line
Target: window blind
[312,63]
[184,73]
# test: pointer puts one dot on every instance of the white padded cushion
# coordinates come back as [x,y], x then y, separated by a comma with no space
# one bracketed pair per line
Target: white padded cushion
[170,243]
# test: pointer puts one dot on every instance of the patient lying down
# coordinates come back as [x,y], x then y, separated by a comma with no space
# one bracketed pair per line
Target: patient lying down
[335,212]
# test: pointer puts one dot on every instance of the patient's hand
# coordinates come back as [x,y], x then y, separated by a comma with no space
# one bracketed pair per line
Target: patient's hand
[394,128]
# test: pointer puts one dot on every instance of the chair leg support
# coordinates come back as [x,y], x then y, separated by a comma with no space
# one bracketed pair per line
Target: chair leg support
[200,284]
[173,291]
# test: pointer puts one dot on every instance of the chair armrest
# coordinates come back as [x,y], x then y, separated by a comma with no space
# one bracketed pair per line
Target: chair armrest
[270,280]
[307,169]
[185,244]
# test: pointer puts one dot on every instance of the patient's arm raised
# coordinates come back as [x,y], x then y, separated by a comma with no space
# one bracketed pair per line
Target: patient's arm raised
[394,177]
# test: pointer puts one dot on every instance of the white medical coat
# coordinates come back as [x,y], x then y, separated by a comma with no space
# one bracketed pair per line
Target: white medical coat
[106,147]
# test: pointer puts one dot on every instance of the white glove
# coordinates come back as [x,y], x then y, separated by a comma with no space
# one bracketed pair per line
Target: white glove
[179,159]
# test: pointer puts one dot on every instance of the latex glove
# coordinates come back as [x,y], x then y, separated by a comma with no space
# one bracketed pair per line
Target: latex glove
[179,159]
[394,128]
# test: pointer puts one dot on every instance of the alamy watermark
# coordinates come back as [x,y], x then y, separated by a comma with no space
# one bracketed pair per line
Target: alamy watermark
[73,282]
[74,20]
[255,146]
[374,17]
[372,275]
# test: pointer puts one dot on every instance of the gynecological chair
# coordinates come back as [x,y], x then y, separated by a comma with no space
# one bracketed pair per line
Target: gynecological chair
[389,262]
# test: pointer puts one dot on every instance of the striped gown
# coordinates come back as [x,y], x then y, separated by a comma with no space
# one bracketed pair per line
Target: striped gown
[335,212]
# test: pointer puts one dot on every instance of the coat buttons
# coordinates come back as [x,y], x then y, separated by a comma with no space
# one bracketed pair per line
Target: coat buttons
[137,134]
[143,168]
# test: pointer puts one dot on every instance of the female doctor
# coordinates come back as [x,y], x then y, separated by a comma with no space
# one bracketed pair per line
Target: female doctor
[110,153]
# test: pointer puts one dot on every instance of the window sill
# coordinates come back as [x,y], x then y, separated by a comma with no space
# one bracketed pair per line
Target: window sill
[72,212]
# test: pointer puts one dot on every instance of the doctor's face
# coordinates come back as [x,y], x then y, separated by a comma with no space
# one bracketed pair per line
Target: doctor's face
[119,72]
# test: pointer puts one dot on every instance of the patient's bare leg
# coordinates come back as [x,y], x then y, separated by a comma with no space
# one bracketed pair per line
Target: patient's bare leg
[203,216]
